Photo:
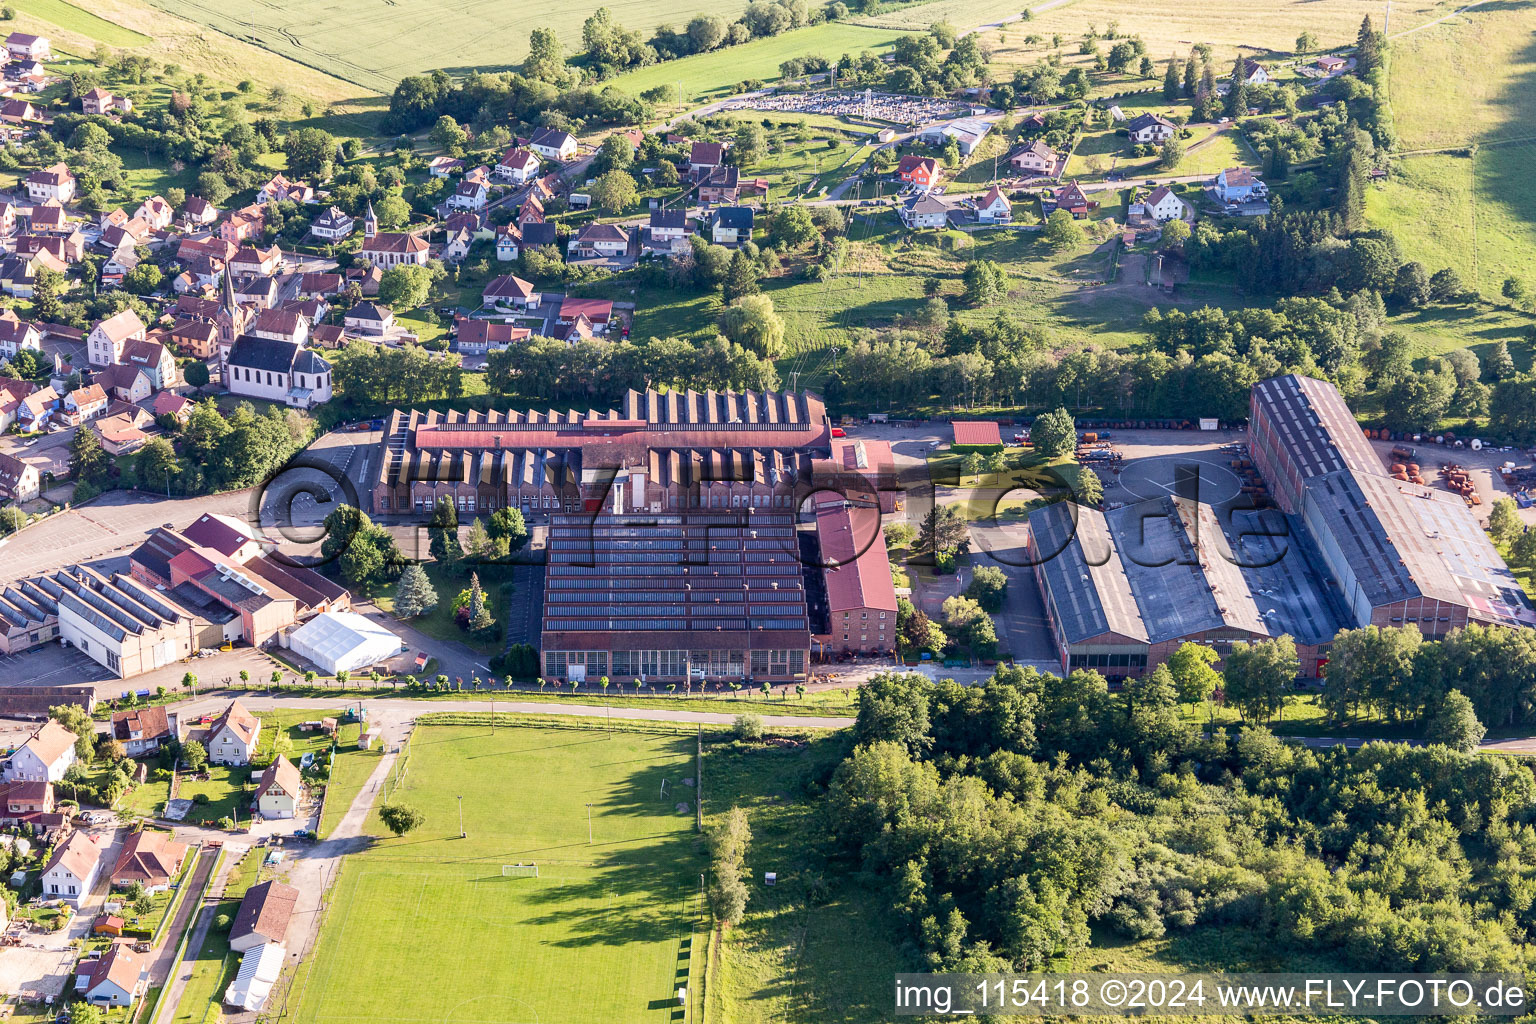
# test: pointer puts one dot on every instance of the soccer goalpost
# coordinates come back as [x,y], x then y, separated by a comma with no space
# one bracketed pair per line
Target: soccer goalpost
[519,871]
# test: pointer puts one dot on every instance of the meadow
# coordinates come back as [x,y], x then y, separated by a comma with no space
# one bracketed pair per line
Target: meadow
[596,937]
[712,75]
[1462,84]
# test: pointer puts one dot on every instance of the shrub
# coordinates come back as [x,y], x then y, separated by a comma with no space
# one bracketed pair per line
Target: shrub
[223,922]
[749,727]
[200,799]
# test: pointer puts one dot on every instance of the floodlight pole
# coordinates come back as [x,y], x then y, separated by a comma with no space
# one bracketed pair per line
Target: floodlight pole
[461,817]
[589,824]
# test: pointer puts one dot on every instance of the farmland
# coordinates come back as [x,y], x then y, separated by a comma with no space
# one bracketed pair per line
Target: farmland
[711,75]
[596,937]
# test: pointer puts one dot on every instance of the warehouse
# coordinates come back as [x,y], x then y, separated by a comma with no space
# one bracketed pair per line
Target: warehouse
[1401,553]
[699,597]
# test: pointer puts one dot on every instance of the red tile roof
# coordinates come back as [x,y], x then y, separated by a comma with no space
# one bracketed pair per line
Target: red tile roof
[976,432]
[858,570]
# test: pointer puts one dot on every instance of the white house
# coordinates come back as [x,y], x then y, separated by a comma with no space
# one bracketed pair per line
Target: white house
[70,873]
[264,914]
[597,240]
[924,211]
[470,195]
[1034,158]
[553,144]
[994,208]
[369,318]
[232,739]
[106,340]
[510,292]
[44,757]
[1255,73]
[1151,128]
[142,730]
[517,165]
[156,212]
[259,970]
[1161,205]
[278,794]
[17,335]
[509,242]
[54,182]
[278,371]
[331,225]
[22,46]
[732,225]
[118,978]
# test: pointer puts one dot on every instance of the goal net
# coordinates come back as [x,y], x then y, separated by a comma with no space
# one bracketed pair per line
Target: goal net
[520,871]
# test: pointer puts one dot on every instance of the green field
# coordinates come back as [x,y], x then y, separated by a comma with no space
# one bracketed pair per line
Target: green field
[1466,81]
[711,75]
[596,937]
[76,19]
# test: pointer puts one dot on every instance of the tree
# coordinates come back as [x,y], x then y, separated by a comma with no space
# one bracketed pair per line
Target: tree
[479,615]
[405,287]
[942,529]
[78,721]
[443,528]
[705,33]
[1367,48]
[1412,288]
[1054,433]
[970,465]
[1455,724]
[311,153]
[728,843]
[88,461]
[477,542]
[1193,675]
[546,57]
[1305,43]
[414,594]
[1504,523]
[508,523]
[741,277]
[750,144]
[1169,156]
[196,373]
[401,818]
[144,279]
[791,226]
[988,587]
[1175,235]
[1237,89]
[1171,80]
[1062,230]
[1500,366]
[615,191]
[750,321]
[986,283]
[1257,676]
[449,135]
[194,755]
[157,463]
[1445,285]
[616,152]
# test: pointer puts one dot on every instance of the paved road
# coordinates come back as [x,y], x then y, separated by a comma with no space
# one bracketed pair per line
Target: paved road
[177,985]
[160,967]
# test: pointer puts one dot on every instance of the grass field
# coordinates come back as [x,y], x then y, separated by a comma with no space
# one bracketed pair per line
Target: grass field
[595,938]
[711,75]
[1469,80]
[82,22]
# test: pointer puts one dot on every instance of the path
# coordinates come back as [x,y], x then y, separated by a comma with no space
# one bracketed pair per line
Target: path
[1428,24]
[165,956]
[177,986]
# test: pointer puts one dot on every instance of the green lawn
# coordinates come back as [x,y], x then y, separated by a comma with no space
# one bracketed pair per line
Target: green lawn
[796,957]
[226,789]
[595,938]
[348,774]
[449,581]
[213,963]
[76,19]
[711,75]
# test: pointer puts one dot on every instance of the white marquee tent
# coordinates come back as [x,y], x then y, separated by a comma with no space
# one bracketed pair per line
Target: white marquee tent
[259,971]
[338,641]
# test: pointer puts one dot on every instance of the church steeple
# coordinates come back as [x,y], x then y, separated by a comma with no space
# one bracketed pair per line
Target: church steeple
[370,222]
[227,301]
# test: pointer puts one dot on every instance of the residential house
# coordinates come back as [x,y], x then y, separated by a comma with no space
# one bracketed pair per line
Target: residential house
[20,799]
[18,112]
[579,329]
[56,183]
[17,276]
[599,240]
[1070,197]
[7,218]
[196,338]
[509,239]
[124,234]
[19,481]
[732,225]
[22,46]
[252,261]
[62,249]
[125,383]
[18,335]
[100,101]
[597,312]
[538,234]
[1255,73]
[668,226]
[553,144]
[12,392]
[444,166]
[921,172]
[36,409]
[332,225]
[366,277]
[217,249]
[704,157]
[198,212]
[49,219]
[260,292]
[1238,185]
[106,340]
[517,166]
[44,757]
[233,736]
[169,403]
[1151,128]
[390,248]
[84,404]
[1034,158]
[277,796]
[470,195]
[327,336]
[244,224]
[277,371]
[720,185]
[1330,64]
[280,325]
[310,310]
[477,337]
[457,243]
[280,190]
[1160,205]
[924,211]
[994,208]
[966,132]
[117,978]
[70,873]
[118,266]
[141,731]
[510,293]
[369,318]
[264,914]
[150,858]
[321,286]
[156,212]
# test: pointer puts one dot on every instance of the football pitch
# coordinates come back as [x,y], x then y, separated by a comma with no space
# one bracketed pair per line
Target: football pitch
[428,928]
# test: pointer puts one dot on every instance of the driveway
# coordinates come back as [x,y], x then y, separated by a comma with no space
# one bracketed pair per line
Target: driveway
[1022,622]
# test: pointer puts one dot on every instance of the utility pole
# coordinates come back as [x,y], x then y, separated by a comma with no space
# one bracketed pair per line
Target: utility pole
[589,824]
[461,817]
